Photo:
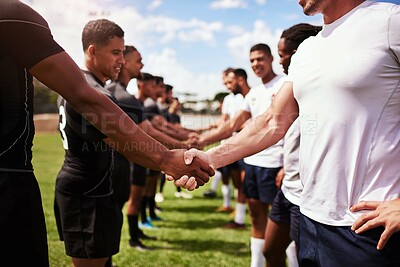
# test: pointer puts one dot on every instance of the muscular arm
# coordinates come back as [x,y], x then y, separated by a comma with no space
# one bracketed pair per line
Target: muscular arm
[161,125]
[161,137]
[261,133]
[60,73]
[227,128]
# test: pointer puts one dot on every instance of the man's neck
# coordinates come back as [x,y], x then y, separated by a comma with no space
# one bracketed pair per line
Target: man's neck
[339,8]
[267,78]
[245,89]
[96,73]
[124,78]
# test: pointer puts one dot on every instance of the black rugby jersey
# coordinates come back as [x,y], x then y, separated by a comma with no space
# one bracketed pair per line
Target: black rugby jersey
[88,163]
[25,40]
[127,102]
[150,109]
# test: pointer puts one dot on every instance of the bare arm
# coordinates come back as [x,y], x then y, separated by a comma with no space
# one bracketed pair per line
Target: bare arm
[60,73]
[227,128]
[160,124]
[168,141]
[261,133]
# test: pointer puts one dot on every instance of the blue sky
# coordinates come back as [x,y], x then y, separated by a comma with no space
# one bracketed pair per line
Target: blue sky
[188,42]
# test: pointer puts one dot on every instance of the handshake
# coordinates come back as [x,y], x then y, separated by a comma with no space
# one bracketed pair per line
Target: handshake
[195,172]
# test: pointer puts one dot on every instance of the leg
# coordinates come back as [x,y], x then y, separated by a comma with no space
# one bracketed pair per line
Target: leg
[77,262]
[276,241]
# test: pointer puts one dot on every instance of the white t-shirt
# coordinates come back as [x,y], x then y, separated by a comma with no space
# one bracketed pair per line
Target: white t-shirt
[347,84]
[257,102]
[231,104]
[291,184]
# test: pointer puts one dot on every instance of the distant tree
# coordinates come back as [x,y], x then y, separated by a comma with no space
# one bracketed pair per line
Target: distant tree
[220,96]
[45,100]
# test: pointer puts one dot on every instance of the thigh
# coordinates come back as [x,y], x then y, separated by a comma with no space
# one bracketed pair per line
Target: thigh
[23,239]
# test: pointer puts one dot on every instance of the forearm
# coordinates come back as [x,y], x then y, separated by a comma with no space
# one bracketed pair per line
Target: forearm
[161,137]
[225,130]
[259,134]
[172,133]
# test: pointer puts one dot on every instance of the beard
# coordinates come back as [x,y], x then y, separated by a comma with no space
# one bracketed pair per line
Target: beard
[312,7]
[237,90]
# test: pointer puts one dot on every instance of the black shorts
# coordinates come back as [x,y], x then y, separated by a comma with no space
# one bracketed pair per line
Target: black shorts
[337,246]
[89,226]
[138,176]
[121,179]
[259,183]
[226,170]
[23,239]
[285,212]
[151,172]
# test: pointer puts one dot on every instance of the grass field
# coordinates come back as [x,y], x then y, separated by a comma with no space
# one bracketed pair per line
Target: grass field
[189,235]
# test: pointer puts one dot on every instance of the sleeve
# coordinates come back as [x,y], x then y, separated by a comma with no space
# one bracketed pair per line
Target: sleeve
[394,33]
[81,126]
[224,109]
[246,103]
[28,36]
[135,113]
[150,112]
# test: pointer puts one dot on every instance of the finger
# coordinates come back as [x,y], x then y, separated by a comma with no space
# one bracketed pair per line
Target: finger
[191,184]
[189,156]
[365,205]
[181,181]
[169,177]
[363,222]
[384,238]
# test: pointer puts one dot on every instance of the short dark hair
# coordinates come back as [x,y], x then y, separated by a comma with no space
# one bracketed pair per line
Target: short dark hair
[240,73]
[129,49]
[227,70]
[296,34]
[168,88]
[158,79]
[145,77]
[261,47]
[100,32]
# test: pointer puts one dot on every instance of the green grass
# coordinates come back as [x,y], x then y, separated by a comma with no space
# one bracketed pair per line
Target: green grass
[190,234]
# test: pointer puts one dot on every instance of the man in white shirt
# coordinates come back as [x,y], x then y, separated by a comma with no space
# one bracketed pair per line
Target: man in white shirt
[261,169]
[344,84]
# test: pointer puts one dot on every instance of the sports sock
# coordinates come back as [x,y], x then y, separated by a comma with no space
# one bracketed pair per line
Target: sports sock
[291,254]
[152,206]
[226,194]
[257,257]
[240,213]
[133,225]
[162,182]
[215,181]
[143,216]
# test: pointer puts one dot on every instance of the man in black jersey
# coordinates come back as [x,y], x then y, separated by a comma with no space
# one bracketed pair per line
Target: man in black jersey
[88,216]
[134,108]
[27,49]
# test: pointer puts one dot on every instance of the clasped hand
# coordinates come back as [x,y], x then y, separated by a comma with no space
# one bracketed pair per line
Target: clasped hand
[194,157]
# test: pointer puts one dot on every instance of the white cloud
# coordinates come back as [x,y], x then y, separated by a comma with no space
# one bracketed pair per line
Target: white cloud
[154,4]
[261,2]
[167,65]
[225,4]
[240,44]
